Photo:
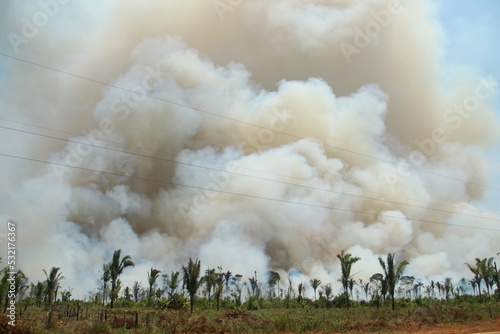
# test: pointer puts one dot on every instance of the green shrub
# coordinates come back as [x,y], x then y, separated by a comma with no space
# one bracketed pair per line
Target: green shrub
[340,301]
[175,302]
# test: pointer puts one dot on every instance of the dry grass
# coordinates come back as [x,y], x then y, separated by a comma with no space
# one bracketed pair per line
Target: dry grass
[19,328]
[355,320]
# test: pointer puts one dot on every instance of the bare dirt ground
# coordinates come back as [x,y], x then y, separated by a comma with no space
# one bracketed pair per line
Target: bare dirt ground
[480,326]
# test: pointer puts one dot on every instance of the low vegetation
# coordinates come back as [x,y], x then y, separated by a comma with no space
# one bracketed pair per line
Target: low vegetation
[217,301]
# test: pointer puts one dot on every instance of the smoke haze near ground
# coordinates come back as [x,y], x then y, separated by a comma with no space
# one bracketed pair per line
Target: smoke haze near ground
[252,140]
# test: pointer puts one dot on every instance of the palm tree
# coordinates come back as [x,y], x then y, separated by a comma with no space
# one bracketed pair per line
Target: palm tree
[496,277]
[118,288]
[18,284]
[116,267]
[328,290]
[476,270]
[486,271]
[392,274]
[366,289]
[352,283]
[417,287]
[158,293]
[106,275]
[440,288]
[4,284]
[290,290]
[380,285]
[254,285]
[227,278]
[65,296]
[127,294]
[52,283]
[152,277]
[136,290]
[21,284]
[236,280]
[219,287]
[473,284]
[300,288]
[191,279]
[315,283]
[346,262]
[430,289]
[274,279]
[38,292]
[448,287]
[173,282]
[210,280]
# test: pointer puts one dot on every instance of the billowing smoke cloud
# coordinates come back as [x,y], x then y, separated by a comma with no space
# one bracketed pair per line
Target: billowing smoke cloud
[255,135]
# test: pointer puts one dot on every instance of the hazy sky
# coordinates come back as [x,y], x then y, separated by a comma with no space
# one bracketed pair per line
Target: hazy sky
[472,35]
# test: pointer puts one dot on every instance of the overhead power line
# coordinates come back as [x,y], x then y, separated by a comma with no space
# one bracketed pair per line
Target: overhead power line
[242,195]
[249,176]
[442,204]
[242,122]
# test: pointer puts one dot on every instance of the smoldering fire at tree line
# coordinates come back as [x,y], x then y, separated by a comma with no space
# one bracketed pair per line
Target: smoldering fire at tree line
[184,156]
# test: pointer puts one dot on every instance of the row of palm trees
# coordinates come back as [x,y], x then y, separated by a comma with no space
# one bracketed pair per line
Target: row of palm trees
[388,280]
[381,285]
[111,272]
[45,291]
[485,270]
[216,282]
[5,285]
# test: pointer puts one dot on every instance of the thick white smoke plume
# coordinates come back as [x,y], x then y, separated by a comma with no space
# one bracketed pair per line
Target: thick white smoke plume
[255,135]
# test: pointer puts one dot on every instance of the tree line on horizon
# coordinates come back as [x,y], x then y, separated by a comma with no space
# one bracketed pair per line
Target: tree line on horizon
[189,283]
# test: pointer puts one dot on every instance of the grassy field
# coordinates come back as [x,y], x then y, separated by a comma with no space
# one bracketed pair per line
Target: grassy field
[408,316]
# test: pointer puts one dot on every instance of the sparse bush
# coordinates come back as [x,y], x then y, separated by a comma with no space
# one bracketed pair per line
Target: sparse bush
[17,329]
[340,301]
[121,303]
[97,327]
[252,303]
[176,302]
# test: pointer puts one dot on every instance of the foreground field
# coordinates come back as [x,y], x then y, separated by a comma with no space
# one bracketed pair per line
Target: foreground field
[427,319]
[481,326]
